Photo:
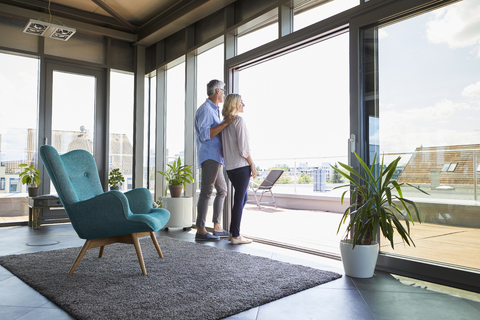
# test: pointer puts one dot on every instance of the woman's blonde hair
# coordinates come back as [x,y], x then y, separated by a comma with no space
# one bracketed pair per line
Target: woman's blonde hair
[232,101]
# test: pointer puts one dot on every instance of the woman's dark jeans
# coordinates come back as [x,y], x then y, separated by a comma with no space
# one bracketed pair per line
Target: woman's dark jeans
[240,178]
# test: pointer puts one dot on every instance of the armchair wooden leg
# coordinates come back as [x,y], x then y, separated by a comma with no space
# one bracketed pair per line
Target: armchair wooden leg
[86,246]
[139,252]
[100,254]
[155,243]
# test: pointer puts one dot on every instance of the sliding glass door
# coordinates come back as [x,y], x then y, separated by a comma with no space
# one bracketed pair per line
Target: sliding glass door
[74,114]
[427,81]
[297,114]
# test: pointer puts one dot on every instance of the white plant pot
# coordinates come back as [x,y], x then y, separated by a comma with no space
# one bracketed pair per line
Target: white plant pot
[359,262]
[180,212]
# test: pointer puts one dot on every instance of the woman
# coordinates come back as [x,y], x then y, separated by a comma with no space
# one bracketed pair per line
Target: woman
[238,162]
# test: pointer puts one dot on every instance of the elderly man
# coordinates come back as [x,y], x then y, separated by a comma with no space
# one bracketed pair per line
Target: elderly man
[208,128]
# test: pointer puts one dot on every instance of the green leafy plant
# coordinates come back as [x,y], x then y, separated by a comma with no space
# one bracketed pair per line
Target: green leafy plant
[30,175]
[336,177]
[373,208]
[305,179]
[115,178]
[284,179]
[178,174]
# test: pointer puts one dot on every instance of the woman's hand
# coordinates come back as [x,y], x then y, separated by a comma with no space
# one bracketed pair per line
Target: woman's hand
[254,171]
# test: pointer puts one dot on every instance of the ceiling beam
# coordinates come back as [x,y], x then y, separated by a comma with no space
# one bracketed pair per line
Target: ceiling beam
[178,18]
[116,15]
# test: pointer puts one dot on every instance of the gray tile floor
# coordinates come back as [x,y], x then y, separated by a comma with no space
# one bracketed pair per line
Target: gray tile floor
[385,296]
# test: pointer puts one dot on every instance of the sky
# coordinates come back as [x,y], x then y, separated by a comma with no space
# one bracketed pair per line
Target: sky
[429,71]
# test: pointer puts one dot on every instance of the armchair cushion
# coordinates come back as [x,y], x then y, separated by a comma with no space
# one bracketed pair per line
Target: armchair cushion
[108,214]
[140,200]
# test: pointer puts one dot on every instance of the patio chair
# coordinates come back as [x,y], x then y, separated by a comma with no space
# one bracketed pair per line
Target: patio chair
[266,186]
[101,218]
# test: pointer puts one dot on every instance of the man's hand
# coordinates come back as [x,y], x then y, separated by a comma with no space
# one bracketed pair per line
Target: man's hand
[229,119]
[226,122]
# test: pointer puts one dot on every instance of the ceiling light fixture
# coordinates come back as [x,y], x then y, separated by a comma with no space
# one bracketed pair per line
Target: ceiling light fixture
[48,29]
[51,30]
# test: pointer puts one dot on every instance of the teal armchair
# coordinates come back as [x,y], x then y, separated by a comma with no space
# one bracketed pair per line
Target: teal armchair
[101,218]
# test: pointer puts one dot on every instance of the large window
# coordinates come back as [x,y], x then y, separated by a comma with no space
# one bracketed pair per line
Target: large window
[257,32]
[121,125]
[152,116]
[73,92]
[175,124]
[428,113]
[312,11]
[297,114]
[209,67]
[18,128]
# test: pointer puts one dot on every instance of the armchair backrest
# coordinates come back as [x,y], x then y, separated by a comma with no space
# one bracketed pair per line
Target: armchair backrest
[74,174]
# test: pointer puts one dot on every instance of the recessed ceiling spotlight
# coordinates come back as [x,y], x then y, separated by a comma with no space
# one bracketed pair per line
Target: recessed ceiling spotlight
[36,27]
[62,33]
[45,29]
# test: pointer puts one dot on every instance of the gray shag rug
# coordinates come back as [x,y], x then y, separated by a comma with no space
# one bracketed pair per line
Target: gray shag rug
[192,281]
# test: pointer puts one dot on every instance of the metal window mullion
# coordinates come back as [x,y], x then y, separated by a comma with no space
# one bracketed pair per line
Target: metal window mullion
[190,108]
[161,125]
[139,110]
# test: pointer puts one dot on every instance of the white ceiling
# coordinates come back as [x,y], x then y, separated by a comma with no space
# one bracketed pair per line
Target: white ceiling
[137,12]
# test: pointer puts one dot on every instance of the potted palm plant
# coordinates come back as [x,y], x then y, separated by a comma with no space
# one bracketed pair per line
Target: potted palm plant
[115,179]
[375,208]
[177,177]
[30,177]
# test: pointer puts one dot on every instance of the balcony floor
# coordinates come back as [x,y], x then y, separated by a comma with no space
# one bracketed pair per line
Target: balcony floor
[316,230]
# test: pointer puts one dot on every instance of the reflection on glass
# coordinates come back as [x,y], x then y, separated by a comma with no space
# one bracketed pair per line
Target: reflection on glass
[18,131]
[309,12]
[429,107]
[257,32]
[297,114]
[121,125]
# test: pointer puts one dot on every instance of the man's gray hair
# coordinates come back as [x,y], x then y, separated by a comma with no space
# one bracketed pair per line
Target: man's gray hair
[212,85]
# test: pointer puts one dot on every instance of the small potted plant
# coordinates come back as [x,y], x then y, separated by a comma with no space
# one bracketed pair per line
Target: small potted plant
[115,179]
[177,176]
[375,208]
[158,204]
[30,177]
